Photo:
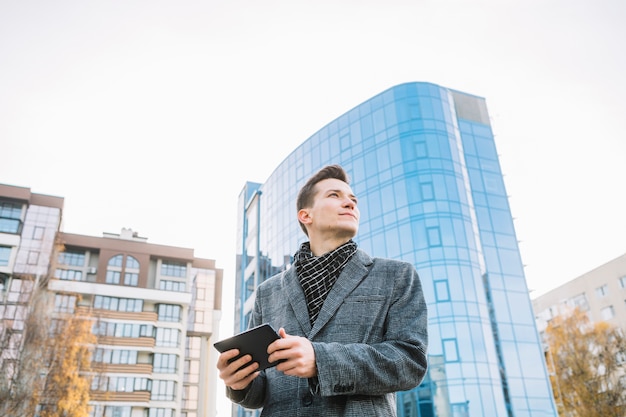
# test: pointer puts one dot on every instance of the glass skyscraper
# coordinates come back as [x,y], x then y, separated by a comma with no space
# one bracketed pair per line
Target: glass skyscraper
[423,163]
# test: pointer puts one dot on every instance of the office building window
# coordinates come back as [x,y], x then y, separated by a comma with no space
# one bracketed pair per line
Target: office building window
[442,292]
[622,282]
[602,291]
[5,255]
[450,350]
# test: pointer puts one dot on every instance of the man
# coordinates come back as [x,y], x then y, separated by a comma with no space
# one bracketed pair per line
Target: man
[353,328]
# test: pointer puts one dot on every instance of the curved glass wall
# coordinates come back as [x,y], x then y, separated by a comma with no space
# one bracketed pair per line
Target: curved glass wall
[424,166]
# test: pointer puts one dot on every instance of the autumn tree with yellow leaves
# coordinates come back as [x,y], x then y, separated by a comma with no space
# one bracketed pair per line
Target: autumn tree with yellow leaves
[50,378]
[588,366]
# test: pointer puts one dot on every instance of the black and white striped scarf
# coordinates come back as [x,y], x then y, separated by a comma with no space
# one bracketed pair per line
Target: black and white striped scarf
[317,275]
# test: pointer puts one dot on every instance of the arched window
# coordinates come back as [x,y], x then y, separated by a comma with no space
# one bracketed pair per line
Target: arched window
[131,273]
[123,265]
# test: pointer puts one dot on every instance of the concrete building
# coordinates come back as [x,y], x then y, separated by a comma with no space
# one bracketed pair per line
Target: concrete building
[600,292]
[28,226]
[155,308]
[424,166]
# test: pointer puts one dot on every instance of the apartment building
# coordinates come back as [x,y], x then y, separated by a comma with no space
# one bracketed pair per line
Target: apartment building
[155,309]
[600,292]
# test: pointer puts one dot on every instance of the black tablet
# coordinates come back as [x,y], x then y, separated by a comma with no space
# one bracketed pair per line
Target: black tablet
[253,342]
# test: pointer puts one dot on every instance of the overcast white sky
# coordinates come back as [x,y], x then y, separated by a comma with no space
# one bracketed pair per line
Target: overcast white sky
[153,114]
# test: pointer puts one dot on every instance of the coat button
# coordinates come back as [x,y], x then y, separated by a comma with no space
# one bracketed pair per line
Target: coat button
[307,400]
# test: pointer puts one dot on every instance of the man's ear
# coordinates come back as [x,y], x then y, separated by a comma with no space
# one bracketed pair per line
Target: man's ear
[304,217]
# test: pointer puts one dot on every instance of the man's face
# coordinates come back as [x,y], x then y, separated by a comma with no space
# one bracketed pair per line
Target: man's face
[334,212]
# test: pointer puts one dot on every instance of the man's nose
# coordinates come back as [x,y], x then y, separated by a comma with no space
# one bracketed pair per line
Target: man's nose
[349,203]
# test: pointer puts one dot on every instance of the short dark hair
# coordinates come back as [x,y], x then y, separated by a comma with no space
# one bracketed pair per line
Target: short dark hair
[307,192]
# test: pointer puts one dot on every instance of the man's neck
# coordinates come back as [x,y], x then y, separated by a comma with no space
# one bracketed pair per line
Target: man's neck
[319,248]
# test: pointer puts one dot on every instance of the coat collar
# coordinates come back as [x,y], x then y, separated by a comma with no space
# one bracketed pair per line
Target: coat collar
[353,273]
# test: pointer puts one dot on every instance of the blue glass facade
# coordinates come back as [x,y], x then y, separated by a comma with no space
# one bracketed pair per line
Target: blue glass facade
[423,163]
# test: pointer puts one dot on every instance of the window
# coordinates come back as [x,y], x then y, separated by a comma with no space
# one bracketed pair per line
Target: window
[622,282]
[167,337]
[131,279]
[450,351]
[5,255]
[117,411]
[163,390]
[64,303]
[434,236]
[165,363]
[10,217]
[441,290]
[579,300]
[192,371]
[131,263]
[190,397]
[169,312]
[115,356]
[68,274]
[160,412]
[129,268]
[123,329]
[120,384]
[72,258]
[116,261]
[101,302]
[193,347]
[38,233]
[602,291]
[113,277]
[607,313]
[177,286]
[174,269]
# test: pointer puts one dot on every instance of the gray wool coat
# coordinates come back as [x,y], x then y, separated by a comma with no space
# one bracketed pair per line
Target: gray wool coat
[370,340]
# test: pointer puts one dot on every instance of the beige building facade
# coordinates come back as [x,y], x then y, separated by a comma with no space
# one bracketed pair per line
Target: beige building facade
[155,308]
[600,292]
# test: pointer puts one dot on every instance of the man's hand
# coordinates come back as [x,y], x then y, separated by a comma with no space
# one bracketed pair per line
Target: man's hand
[297,352]
[233,378]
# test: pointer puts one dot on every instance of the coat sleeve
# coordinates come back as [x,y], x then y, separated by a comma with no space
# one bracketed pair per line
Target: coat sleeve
[253,396]
[397,363]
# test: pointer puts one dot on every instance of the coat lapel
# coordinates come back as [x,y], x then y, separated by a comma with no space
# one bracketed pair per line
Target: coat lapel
[293,289]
